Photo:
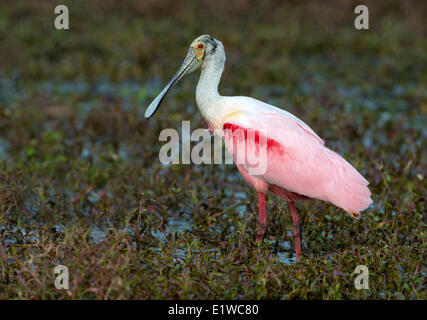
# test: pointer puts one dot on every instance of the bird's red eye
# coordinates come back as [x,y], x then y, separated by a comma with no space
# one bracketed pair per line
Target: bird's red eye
[200,46]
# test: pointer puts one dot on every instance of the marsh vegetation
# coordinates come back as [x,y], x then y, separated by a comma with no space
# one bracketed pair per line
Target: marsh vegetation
[81,183]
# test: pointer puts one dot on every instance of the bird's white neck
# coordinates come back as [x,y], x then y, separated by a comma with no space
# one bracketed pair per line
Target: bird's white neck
[207,94]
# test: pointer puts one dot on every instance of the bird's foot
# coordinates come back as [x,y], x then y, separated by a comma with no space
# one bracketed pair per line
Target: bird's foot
[262,232]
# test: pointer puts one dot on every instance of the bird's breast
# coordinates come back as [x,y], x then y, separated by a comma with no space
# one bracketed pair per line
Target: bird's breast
[220,119]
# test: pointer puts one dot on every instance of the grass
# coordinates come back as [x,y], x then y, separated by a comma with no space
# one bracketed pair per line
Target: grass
[81,183]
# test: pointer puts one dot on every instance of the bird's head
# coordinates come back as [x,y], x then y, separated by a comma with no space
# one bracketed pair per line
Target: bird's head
[200,49]
[204,46]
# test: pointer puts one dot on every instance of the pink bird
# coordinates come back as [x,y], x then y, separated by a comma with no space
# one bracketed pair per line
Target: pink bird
[274,151]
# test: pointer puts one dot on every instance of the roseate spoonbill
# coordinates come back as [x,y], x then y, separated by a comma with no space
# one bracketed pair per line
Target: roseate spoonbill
[299,166]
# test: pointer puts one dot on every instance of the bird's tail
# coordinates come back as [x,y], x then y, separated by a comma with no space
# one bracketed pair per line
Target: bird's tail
[350,189]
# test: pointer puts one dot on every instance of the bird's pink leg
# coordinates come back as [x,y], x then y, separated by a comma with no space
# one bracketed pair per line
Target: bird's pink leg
[296,230]
[262,217]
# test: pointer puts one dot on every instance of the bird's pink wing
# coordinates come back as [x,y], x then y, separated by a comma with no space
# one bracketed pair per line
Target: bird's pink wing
[297,160]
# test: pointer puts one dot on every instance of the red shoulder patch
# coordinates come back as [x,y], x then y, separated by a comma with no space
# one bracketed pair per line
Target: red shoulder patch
[240,133]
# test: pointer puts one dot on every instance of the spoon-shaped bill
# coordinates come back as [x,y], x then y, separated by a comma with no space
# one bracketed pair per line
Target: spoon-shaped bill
[152,108]
[190,64]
